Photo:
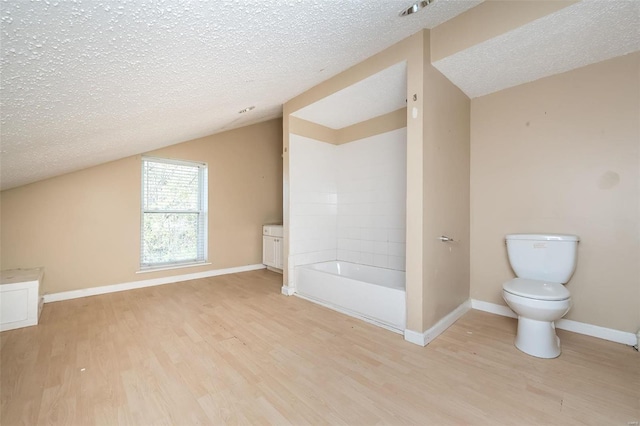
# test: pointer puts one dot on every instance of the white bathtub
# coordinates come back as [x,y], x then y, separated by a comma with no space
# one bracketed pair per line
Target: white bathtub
[376,295]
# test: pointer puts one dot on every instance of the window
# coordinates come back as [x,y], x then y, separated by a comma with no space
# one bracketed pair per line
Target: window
[174,213]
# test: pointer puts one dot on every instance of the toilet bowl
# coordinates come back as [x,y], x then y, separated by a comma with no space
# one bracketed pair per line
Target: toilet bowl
[543,263]
[536,333]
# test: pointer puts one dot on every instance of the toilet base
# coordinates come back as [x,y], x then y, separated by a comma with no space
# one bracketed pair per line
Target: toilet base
[537,338]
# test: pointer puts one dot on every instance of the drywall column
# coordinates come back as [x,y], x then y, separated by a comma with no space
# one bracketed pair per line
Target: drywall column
[415,182]
[446,160]
[287,289]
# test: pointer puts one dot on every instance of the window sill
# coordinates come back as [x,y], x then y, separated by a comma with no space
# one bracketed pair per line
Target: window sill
[169,268]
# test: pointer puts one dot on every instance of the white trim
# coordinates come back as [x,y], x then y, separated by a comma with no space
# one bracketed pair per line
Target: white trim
[175,161]
[349,313]
[610,334]
[276,270]
[414,337]
[423,339]
[93,291]
[493,308]
[168,268]
[201,211]
[288,291]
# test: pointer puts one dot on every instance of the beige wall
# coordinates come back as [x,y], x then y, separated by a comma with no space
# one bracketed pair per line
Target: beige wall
[84,227]
[312,130]
[375,126]
[562,155]
[446,194]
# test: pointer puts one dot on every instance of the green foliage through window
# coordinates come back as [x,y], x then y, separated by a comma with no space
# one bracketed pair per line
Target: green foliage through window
[173,212]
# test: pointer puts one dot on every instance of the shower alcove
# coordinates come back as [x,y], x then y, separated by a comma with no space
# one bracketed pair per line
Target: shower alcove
[375,170]
[347,199]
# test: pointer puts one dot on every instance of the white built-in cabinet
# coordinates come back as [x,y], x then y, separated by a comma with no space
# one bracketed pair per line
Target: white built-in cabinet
[20,298]
[272,237]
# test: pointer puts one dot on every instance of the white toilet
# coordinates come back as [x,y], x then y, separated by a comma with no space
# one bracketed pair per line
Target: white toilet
[543,264]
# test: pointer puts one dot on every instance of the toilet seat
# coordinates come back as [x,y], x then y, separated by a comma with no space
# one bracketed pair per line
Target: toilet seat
[538,290]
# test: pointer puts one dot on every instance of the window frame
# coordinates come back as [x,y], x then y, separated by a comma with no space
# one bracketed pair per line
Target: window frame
[203,222]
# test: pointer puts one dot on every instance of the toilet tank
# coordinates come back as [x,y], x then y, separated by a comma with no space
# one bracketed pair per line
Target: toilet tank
[544,257]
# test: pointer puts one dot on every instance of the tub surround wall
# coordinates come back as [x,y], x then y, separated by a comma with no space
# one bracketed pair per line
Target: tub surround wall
[314,201]
[371,182]
[348,201]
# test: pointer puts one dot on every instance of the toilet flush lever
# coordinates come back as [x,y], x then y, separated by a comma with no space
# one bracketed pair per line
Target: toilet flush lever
[445,239]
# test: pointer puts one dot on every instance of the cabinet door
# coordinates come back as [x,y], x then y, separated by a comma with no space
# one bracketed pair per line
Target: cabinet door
[268,251]
[278,253]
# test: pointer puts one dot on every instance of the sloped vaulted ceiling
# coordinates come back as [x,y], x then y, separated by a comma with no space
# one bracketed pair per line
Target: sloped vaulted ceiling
[86,82]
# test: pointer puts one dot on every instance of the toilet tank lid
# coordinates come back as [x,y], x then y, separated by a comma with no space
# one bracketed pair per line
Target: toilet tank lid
[543,237]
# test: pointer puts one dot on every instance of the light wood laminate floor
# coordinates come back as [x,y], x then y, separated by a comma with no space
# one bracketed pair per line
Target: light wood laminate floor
[233,350]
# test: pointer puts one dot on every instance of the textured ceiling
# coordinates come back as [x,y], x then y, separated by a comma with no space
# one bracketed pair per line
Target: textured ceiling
[86,82]
[379,94]
[581,34]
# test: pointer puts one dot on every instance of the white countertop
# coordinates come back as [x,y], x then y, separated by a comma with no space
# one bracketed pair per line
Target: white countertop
[12,276]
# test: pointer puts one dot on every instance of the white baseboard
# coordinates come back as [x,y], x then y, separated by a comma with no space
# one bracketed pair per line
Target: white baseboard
[424,338]
[414,337]
[493,308]
[611,334]
[288,291]
[565,324]
[94,291]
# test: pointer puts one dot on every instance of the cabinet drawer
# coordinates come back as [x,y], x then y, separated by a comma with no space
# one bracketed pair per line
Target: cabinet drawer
[272,230]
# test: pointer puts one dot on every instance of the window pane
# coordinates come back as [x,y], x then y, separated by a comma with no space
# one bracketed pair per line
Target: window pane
[169,237]
[174,212]
[170,187]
